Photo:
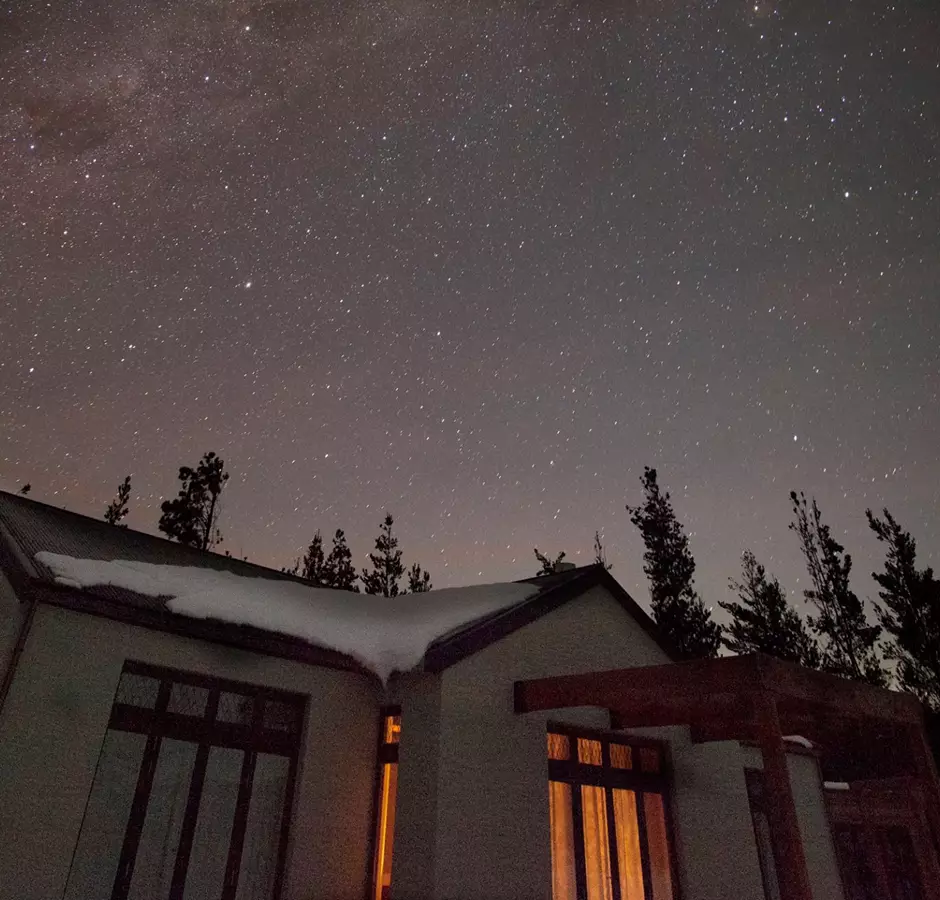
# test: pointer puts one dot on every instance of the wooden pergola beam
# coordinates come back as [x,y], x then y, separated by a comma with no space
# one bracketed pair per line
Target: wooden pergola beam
[781,809]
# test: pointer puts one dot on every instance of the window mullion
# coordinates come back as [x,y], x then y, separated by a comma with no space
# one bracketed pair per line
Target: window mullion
[188,830]
[612,841]
[577,820]
[644,846]
[135,821]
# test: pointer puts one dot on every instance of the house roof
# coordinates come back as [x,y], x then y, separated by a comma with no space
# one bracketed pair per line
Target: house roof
[89,565]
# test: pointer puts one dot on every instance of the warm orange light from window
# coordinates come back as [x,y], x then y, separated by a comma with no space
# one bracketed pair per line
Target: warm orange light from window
[564,886]
[621,757]
[385,830]
[559,746]
[392,733]
[589,752]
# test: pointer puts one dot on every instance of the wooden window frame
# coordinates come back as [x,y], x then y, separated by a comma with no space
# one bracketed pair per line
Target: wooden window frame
[157,723]
[385,753]
[575,773]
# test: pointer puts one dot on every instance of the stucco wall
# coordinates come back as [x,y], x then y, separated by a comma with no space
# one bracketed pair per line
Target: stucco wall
[55,721]
[806,784]
[492,840]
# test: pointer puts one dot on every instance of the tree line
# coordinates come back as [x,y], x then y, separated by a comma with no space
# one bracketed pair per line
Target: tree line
[836,636]
[192,519]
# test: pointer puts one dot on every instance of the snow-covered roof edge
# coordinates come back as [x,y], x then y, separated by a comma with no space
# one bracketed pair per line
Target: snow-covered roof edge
[383,634]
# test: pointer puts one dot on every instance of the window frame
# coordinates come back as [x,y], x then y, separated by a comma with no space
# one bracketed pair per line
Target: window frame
[206,732]
[385,753]
[575,773]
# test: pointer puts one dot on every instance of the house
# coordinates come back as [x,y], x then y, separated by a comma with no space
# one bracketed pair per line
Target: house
[181,724]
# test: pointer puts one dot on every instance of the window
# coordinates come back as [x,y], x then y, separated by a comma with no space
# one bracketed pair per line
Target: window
[609,818]
[191,795]
[754,779]
[385,804]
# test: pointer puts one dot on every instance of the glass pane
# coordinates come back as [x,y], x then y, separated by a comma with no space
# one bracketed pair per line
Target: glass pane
[660,871]
[94,865]
[765,855]
[559,747]
[263,831]
[235,708]
[280,716]
[156,855]
[621,757]
[137,690]
[596,842]
[589,752]
[385,831]
[188,700]
[392,729]
[627,832]
[206,873]
[561,826]
[649,759]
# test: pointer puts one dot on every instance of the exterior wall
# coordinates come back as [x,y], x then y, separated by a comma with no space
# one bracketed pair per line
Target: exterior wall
[491,840]
[55,720]
[806,784]
[11,619]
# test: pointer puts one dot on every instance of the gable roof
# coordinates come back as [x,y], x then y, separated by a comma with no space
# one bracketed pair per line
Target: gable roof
[479,616]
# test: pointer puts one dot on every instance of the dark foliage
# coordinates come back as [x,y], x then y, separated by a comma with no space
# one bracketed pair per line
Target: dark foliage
[387,567]
[547,565]
[849,641]
[669,566]
[763,621]
[118,508]
[910,611]
[192,517]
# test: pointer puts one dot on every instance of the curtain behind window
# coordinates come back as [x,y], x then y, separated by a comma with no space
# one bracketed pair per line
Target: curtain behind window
[596,843]
[562,831]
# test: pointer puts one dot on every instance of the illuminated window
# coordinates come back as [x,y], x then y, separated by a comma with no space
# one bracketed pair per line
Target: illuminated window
[609,821]
[385,805]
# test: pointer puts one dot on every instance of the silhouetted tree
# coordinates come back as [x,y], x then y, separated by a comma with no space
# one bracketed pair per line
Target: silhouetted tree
[387,567]
[419,580]
[340,572]
[547,565]
[314,567]
[26,488]
[668,563]
[911,611]
[763,621]
[849,642]
[600,556]
[117,509]
[192,517]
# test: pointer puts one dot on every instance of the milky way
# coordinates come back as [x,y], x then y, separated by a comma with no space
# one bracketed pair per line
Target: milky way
[477,263]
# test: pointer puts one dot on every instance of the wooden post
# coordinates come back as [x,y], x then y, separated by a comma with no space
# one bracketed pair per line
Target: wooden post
[781,810]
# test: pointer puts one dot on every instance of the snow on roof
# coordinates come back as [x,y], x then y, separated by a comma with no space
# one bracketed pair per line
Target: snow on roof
[385,634]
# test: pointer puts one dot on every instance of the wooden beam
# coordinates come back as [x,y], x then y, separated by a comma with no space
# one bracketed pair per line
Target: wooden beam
[792,874]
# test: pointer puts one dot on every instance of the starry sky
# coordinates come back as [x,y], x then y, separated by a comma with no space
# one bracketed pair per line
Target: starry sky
[477,262]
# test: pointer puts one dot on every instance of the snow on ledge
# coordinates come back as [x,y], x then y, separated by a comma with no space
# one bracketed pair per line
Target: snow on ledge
[798,739]
[383,634]
[836,785]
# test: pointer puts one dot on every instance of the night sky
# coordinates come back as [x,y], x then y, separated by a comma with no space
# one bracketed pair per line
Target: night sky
[477,263]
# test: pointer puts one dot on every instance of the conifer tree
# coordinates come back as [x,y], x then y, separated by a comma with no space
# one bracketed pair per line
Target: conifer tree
[850,643]
[340,572]
[600,555]
[192,517]
[419,581]
[910,613]
[547,565]
[677,607]
[763,621]
[387,567]
[314,567]
[118,508]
